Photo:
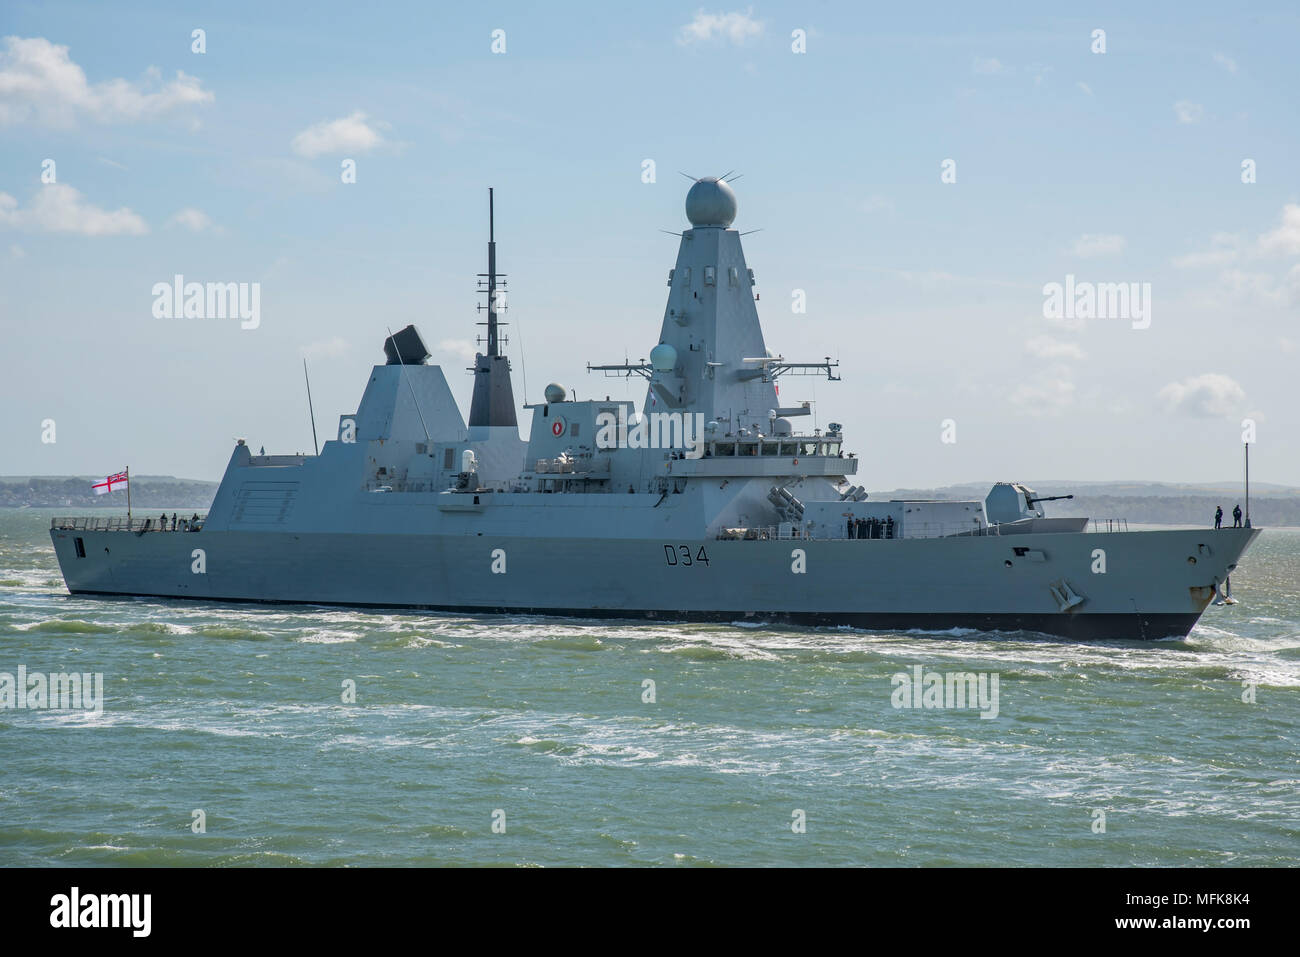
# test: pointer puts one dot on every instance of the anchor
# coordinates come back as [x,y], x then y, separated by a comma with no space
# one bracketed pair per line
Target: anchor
[1064,595]
[1224,598]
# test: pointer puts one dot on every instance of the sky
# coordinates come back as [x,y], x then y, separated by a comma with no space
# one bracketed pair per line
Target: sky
[920,176]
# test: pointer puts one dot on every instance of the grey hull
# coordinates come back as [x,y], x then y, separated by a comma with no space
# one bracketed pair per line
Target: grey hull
[1150,588]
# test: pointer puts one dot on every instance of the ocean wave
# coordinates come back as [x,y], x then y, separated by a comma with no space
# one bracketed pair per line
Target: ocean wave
[327,637]
[231,632]
[66,626]
[571,643]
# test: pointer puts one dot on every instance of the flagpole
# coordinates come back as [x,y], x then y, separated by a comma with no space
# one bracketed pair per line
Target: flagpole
[128,496]
[1247,444]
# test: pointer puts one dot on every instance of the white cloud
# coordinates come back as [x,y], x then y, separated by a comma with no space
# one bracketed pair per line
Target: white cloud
[1188,112]
[195,220]
[58,208]
[1261,287]
[1211,257]
[1225,61]
[1065,324]
[1229,248]
[1226,249]
[1045,347]
[1286,238]
[1091,245]
[735,27]
[1204,396]
[1048,393]
[1085,87]
[1258,286]
[331,348]
[40,82]
[463,348]
[350,134]
[17,252]
[987,66]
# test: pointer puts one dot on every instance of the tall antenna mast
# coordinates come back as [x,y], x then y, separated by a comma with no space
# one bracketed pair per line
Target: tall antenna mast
[492,277]
[493,401]
[311,408]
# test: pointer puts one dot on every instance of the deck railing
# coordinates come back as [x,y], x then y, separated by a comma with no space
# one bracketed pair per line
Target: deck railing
[82,523]
[1107,525]
[902,531]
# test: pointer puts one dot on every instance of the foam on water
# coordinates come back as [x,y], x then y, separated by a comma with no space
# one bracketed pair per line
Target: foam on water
[238,709]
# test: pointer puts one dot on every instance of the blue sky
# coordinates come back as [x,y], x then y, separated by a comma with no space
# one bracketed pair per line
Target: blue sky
[1122,166]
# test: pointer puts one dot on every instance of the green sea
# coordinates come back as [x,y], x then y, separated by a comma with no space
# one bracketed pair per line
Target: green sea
[530,741]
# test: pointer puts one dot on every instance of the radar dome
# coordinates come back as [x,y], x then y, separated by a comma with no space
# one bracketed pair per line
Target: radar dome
[555,393]
[711,202]
[663,358]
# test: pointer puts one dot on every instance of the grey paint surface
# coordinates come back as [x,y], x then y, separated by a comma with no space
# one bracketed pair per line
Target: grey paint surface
[384,516]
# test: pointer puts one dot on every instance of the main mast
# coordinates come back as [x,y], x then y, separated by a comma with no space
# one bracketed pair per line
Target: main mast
[493,402]
[711,357]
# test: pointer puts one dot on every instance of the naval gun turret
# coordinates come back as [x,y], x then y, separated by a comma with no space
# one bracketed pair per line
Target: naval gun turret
[1011,502]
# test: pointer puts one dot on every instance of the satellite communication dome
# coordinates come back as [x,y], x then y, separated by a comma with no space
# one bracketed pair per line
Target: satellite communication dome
[711,202]
[663,358]
[555,393]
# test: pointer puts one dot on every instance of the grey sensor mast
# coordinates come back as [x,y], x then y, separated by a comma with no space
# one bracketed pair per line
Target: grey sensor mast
[493,402]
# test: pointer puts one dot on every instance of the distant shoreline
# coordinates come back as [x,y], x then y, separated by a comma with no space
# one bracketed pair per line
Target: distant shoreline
[75,493]
[1151,503]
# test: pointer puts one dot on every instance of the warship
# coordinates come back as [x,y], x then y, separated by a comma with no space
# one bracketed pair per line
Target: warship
[710,502]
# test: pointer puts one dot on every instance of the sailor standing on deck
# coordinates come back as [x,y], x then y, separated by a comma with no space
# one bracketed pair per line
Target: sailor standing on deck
[1236,516]
[1218,517]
